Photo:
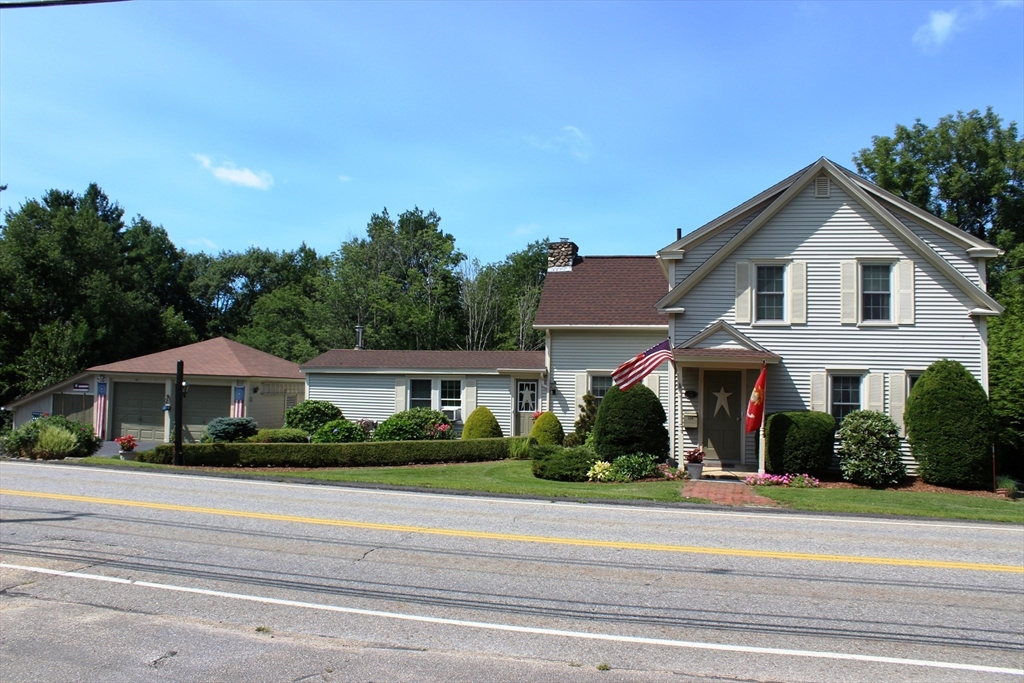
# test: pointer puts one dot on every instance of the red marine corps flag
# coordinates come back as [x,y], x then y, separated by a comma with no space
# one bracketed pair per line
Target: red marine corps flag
[755,409]
[641,365]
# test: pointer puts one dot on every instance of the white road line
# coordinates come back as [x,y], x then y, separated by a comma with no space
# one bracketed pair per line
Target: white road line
[483,498]
[721,647]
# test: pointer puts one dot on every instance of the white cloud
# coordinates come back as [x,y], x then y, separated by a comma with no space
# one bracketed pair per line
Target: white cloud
[203,242]
[939,28]
[227,173]
[572,140]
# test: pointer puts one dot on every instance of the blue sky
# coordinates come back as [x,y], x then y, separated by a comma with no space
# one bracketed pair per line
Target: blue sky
[262,123]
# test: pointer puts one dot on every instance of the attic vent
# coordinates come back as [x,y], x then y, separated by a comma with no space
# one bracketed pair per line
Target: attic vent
[822,187]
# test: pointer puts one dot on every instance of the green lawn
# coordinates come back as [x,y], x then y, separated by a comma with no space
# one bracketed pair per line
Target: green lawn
[505,476]
[911,503]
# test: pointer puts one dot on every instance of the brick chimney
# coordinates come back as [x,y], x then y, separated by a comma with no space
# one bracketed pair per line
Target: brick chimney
[562,255]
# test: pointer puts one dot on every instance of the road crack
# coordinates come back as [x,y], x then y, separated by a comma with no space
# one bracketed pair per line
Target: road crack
[159,661]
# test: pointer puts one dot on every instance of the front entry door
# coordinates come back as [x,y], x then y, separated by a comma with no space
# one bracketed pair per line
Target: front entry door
[526,404]
[723,415]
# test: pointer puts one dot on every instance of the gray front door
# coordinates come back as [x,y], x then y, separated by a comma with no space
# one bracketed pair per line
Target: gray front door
[723,415]
[526,404]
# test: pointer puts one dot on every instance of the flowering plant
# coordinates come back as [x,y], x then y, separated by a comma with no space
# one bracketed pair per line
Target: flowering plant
[126,443]
[537,413]
[666,471]
[439,430]
[601,471]
[795,481]
[695,455]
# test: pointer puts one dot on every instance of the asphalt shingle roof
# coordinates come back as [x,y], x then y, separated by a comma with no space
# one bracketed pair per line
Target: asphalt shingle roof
[423,360]
[218,357]
[604,290]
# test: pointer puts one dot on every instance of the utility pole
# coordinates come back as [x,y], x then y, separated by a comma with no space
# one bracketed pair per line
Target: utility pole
[179,380]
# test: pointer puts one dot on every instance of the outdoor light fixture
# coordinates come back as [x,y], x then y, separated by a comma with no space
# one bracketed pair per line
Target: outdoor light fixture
[184,389]
[101,378]
[691,394]
[255,390]
[554,389]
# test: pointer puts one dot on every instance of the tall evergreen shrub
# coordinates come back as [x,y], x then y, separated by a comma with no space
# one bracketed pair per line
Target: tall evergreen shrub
[799,442]
[631,421]
[950,427]
[547,430]
[481,424]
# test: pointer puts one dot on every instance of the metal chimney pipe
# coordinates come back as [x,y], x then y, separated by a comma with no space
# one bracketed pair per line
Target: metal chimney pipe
[679,233]
[359,337]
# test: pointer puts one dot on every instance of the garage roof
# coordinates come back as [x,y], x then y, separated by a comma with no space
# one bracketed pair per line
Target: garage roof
[434,360]
[218,357]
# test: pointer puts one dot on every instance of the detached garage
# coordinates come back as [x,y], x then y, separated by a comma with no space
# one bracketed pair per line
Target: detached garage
[225,379]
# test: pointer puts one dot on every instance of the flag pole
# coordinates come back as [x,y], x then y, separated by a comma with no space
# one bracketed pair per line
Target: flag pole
[760,430]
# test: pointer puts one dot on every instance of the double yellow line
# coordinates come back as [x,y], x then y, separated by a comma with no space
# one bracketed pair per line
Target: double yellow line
[523,538]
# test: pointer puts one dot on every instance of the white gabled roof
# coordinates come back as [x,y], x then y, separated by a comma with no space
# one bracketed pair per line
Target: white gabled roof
[722,326]
[868,195]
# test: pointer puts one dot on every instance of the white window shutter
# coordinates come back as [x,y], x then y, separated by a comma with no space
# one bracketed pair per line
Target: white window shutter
[653,382]
[468,396]
[905,292]
[818,384]
[399,394]
[898,399]
[798,292]
[743,291]
[848,292]
[581,390]
[876,391]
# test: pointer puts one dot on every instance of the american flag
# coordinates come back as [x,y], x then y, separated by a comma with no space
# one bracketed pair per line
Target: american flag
[641,365]
[238,407]
[99,410]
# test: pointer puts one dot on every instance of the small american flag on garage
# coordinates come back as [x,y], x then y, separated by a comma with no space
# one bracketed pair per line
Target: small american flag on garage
[641,365]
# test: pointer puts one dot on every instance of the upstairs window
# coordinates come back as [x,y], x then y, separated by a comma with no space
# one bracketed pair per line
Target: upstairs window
[876,289]
[771,293]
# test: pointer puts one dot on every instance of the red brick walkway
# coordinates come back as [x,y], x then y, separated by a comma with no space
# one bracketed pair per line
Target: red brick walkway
[724,492]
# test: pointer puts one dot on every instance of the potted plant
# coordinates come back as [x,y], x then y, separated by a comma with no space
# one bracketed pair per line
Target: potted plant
[694,462]
[127,445]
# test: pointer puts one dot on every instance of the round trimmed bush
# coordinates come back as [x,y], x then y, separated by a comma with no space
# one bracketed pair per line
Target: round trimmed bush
[547,430]
[339,431]
[563,464]
[869,450]
[310,416]
[799,441]
[950,427]
[418,424]
[481,424]
[631,421]
[230,429]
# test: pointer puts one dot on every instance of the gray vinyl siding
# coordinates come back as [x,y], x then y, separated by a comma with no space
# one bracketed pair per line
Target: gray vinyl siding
[41,404]
[821,232]
[496,394]
[954,254]
[596,351]
[360,397]
[692,258]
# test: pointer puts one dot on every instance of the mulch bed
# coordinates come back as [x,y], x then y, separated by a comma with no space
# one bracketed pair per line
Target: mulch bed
[912,484]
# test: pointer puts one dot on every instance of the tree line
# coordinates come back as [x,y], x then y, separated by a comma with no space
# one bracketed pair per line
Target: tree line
[81,286]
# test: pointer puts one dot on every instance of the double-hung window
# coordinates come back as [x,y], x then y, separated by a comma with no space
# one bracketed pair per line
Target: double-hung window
[451,399]
[419,393]
[876,292]
[845,395]
[599,386]
[771,293]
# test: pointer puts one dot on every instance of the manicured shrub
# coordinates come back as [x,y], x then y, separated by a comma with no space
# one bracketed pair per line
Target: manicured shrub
[310,416]
[363,454]
[869,450]
[547,430]
[564,464]
[585,422]
[631,421]
[339,431]
[55,443]
[283,435]
[24,440]
[481,424]
[418,424]
[950,427]
[230,429]
[799,441]
[635,466]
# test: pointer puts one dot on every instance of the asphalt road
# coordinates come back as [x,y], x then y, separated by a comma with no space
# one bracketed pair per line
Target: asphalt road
[128,576]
